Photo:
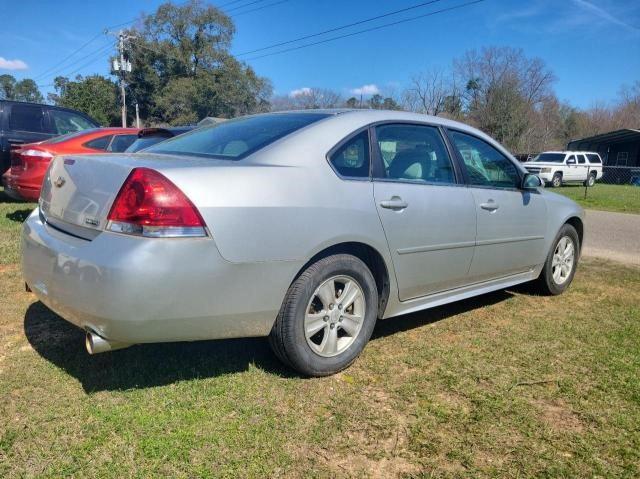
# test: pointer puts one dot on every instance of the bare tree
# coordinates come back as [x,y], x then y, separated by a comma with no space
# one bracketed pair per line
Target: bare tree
[427,93]
[308,98]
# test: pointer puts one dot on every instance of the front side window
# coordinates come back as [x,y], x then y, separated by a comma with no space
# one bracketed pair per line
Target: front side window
[485,165]
[66,122]
[414,152]
[352,158]
[26,118]
[235,139]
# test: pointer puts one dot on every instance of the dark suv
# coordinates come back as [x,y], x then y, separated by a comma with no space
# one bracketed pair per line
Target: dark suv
[22,122]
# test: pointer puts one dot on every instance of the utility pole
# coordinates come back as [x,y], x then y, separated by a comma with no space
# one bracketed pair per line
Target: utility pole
[123,93]
[121,65]
[137,116]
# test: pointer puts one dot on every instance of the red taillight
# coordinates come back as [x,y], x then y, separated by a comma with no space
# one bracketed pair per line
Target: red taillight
[148,204]
[25,157]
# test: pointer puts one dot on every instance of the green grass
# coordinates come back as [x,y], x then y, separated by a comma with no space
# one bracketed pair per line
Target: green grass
[620,198]
[505,385]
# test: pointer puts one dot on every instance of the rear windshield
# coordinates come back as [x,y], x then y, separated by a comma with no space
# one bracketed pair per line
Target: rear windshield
[594,158]
[235,139]
[550,157]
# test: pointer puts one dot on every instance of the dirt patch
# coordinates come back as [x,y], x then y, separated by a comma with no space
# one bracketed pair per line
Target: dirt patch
[558,415]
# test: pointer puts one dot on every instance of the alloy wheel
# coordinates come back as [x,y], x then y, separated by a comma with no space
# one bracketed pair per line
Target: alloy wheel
[334,316]
[563,260]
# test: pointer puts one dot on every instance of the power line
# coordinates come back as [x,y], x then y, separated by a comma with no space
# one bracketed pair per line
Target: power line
[443,10]
[57,66]
[97,56]
[259,8]
[100,50]
[342,27]
[240,7]
[44,73]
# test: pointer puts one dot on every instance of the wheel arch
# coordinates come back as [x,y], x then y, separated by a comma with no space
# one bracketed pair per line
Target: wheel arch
[577,223]
[369,256]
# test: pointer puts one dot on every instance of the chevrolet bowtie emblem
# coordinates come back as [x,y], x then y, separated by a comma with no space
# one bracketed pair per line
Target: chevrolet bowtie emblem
[59,182]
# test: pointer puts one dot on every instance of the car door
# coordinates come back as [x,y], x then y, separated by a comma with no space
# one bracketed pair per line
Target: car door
[26,123]
[583,166]
[571,169]
[427,214]
[511,222]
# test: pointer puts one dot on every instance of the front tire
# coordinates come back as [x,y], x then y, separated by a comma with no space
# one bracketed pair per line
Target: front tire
[327,316]
[556,182]
[561,263]
[591,180]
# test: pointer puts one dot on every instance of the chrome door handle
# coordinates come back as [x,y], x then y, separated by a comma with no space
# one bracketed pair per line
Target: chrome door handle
[489,205]
[395,203]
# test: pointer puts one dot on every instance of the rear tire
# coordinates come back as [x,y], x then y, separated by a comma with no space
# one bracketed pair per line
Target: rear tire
[318,333]
[561,263]
[556,182]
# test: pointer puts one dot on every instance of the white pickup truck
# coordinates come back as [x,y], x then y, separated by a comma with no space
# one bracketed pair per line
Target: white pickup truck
[558,167]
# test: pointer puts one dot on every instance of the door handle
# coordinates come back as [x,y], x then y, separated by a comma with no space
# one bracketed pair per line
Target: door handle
[489,205]
[395,203]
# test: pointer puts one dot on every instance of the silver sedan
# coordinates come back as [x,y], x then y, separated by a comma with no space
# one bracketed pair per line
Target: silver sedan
[303,226]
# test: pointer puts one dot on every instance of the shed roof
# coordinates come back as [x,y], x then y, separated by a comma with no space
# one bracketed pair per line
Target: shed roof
[618,136]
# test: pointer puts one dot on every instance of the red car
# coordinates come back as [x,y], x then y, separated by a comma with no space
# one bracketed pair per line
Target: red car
[29,162]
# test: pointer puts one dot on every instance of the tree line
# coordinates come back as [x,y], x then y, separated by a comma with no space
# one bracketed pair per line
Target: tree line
[183,71]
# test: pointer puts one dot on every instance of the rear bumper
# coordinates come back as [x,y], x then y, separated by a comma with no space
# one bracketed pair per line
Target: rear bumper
[140,290]
[18,190]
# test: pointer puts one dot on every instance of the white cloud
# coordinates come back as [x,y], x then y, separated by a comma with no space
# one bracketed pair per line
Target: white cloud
[300,92]
[12,64]
[366,90]
[603,14]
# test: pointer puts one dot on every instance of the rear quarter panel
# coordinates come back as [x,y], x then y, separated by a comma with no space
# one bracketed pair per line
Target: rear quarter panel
[276,212]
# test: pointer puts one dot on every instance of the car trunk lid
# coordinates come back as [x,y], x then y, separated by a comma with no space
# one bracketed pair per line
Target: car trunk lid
[77,193]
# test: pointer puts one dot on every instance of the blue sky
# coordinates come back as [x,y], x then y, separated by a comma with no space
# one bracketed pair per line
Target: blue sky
[593,46]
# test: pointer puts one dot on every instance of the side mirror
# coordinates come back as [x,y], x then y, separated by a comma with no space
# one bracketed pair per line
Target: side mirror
[531,182]
[571,161]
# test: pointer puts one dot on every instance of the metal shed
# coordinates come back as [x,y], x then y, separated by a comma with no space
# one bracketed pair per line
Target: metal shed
[617,148]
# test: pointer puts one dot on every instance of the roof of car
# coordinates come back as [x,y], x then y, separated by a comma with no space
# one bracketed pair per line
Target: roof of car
[173,130]
[573,152]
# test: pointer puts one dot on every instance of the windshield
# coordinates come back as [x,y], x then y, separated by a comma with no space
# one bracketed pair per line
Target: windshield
[549,158]
[235,139]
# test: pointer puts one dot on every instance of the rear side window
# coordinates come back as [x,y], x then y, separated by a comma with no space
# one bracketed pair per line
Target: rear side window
[581,159]
[352,159]
[414,152]
[594,159]
[121,143]
[27,118]
[100,143]
[66,122]
[235,139]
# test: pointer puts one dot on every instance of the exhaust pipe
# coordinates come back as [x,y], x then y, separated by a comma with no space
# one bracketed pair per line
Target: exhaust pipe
[97,344]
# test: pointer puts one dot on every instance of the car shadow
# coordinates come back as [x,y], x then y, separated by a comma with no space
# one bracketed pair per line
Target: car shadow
[19,215]
[5,198]
[150,365]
